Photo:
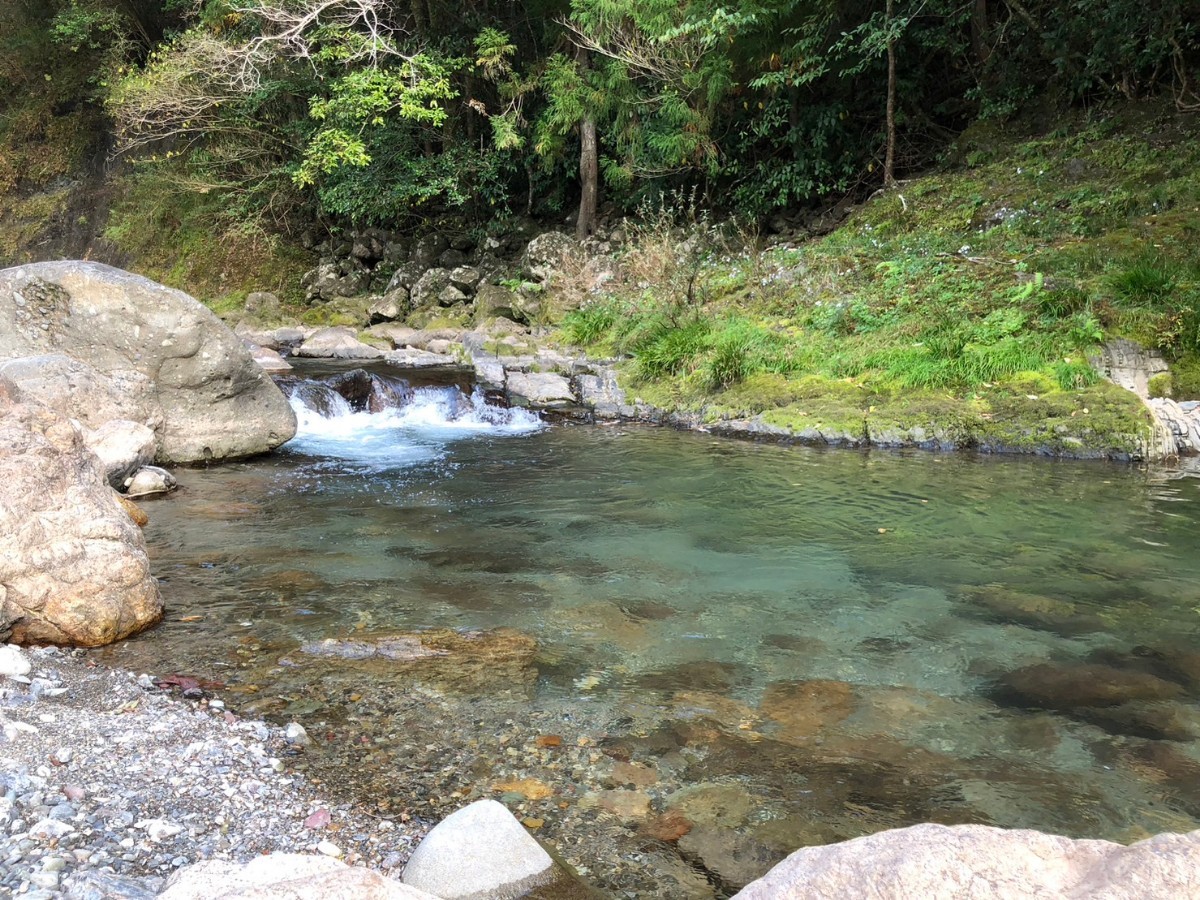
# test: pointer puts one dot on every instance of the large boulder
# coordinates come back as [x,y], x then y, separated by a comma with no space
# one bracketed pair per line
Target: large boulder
[73,565]
[213,399]
[482,852]
[545,254]
[284,876]
[338,342]
[122,447]
[937,862]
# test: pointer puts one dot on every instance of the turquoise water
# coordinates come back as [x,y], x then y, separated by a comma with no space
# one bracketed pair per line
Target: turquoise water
[830,633]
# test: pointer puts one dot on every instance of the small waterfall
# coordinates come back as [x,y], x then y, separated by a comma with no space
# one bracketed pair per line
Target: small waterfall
[379,419]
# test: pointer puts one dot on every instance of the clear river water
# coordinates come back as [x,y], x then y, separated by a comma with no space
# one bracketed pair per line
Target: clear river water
[679,657]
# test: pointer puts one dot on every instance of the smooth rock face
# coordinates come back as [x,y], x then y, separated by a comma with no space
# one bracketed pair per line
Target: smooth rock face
[122,447]
[542,389]
[284,876]
[73,566]
[480,851]
[214,401]
[336,343]
[936,862]
[79,391]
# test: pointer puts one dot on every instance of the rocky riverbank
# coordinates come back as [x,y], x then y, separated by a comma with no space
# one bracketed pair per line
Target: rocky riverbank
[108,786]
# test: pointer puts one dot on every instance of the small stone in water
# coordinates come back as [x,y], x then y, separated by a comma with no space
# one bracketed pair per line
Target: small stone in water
[549,740]
[295,734]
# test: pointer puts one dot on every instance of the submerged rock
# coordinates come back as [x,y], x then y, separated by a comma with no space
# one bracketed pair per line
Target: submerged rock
[196,384]
[938,862]
[1066,686]
[804,708]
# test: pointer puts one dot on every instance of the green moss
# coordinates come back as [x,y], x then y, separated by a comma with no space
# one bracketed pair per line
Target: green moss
[327,317]
[1185,378]
[1160,385]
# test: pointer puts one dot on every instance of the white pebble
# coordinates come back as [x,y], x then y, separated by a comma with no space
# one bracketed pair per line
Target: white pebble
[329,849]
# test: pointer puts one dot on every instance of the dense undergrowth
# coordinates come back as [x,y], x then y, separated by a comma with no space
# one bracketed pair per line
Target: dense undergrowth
[994,278]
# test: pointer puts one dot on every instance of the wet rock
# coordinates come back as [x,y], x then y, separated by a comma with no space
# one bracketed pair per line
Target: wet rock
[411,358]
[135,512]
[149,480]
[367,392]
[603,395]
[621,803]
[480,851]
[1033,610]
[669,827]
[632,774]
[529,788]
[210,399]
[284,876]
[336,343]
[803,709]
[1066,687]
[73,566]
[719,805]
[1164,720]
[403,648]
[937,861]
[733,857]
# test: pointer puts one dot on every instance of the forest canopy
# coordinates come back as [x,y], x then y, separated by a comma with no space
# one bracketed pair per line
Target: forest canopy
[388,112]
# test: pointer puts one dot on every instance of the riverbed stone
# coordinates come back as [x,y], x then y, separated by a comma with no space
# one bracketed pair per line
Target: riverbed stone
[149,480]
[1066,686]
[480,851]
[732,857]
[73,565]
[803,709]
[270,361]
[213,399]
[938,862]
[285,876]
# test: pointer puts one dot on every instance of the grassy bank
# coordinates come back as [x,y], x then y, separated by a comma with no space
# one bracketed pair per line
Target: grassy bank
[965,302]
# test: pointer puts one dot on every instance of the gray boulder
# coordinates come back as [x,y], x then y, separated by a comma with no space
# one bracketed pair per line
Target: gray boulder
[425,292]
[466,278]
[78,391]
[388,308]
[336,343]
[426,251]
[494,300]
[263,305]
[451,295]
[270,360]
[543,390]
[938,862]
[208,399]
[73,565]
[480,852]
[545,254]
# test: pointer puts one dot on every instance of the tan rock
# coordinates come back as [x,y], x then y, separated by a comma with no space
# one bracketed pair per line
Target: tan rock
[804,708]
[285,876]
[936,862]
[171,364]
[73,565]
[529,788]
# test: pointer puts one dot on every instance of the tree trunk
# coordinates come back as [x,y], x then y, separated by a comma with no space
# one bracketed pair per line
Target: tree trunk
[979,32]
[889,160]
[589,178]
[589,165]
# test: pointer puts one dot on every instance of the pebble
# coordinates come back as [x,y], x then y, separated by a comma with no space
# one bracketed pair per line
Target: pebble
[168,782]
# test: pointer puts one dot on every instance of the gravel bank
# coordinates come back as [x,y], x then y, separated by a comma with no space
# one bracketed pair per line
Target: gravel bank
[108,785]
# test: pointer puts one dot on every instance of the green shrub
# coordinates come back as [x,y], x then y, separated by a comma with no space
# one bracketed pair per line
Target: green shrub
[1160,385]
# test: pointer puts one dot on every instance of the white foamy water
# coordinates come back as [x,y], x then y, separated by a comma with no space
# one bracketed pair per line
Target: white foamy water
[327,426]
